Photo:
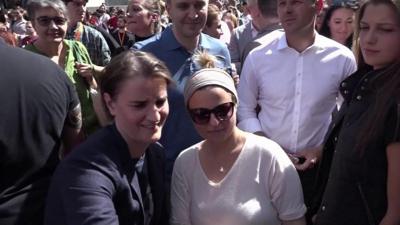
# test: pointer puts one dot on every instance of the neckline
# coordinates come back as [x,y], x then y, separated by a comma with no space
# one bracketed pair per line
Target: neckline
[235,164]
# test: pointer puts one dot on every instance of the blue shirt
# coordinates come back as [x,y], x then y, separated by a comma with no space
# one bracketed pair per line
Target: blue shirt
[179,132]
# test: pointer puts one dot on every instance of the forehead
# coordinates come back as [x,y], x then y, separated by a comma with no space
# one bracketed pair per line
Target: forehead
[380,13]
[188,1]
[47,11]
[342,12]
[208,97]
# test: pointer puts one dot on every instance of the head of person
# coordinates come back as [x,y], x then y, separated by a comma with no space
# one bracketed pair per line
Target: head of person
[102,8]
[29,28]
[213,23]
[143,16]
[230,19]
[121,22]
[49,19]
[211,99]
[76,10]
[338,23]
[3,26]
[298,16]
[262,9]
[16,14]
[377,45]
[8,37]
[188,17]
[378,33]
[134,90]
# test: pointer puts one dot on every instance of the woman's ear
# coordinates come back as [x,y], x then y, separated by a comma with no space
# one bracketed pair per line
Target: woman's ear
[155,17]
[110,104]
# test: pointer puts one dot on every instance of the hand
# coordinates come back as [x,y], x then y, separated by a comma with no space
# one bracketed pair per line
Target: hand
[311,156]
[87,72]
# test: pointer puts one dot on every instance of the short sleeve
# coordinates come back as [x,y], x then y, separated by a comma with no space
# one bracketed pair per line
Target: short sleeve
[285,187]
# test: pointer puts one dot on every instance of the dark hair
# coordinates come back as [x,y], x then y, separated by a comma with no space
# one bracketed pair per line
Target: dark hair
[387,84]
[128,65]
[325,30]
[268,8]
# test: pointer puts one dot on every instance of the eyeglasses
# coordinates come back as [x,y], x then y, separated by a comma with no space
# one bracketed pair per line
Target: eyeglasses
[46,20]
[221,112]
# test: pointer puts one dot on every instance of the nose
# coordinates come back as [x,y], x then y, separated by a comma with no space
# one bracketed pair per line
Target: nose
[370,37]
[154,114]
[213,120]
[53,25]
[193,14]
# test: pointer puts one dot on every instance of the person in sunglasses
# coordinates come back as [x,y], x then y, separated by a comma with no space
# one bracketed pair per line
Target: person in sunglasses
[49,18]
[231,177]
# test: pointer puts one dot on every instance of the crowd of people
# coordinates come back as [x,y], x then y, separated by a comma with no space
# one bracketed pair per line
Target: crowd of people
[200,112]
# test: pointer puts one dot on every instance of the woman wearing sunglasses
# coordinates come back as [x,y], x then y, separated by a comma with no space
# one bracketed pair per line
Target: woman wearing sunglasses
[232,177]
[49,18]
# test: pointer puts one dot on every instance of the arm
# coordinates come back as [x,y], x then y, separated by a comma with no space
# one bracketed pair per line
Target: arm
[392,216]
[87,194]
[248,98]
[300,221]
[180,200]
[233,47]
[285,188]
[71,134]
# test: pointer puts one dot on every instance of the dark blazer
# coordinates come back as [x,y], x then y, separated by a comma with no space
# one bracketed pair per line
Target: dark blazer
[96,184]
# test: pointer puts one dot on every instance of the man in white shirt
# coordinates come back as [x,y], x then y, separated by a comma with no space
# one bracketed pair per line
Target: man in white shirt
[294,77]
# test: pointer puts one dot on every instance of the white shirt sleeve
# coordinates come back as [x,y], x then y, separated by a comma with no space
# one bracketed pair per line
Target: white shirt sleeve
[285,187]
[248,95]
[180,194]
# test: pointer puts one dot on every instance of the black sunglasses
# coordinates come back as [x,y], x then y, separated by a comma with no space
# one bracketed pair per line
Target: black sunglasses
[221,112]
[46,20]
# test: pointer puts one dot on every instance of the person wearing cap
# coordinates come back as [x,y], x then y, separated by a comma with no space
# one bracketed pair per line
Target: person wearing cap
[232,177]
[294,77]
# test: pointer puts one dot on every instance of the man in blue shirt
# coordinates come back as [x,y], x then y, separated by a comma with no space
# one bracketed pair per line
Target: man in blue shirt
[175,46]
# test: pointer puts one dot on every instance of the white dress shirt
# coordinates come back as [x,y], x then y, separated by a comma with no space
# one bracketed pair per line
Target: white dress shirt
[296,91]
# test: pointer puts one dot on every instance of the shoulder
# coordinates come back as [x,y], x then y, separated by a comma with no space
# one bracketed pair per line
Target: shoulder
[331,46]
[267,42]
[150,43]
[92,32]
[240,29]
[188,156]
[211,43]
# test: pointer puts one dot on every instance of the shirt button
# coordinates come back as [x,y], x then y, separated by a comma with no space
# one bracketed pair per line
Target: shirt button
[335,139]
[344,84]
[345,92]
[323,208]
[362,88]
[366,80]
[359,97]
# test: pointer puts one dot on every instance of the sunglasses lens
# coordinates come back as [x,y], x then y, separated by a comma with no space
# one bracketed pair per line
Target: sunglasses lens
[200,116]
[221,112]
[224,111]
